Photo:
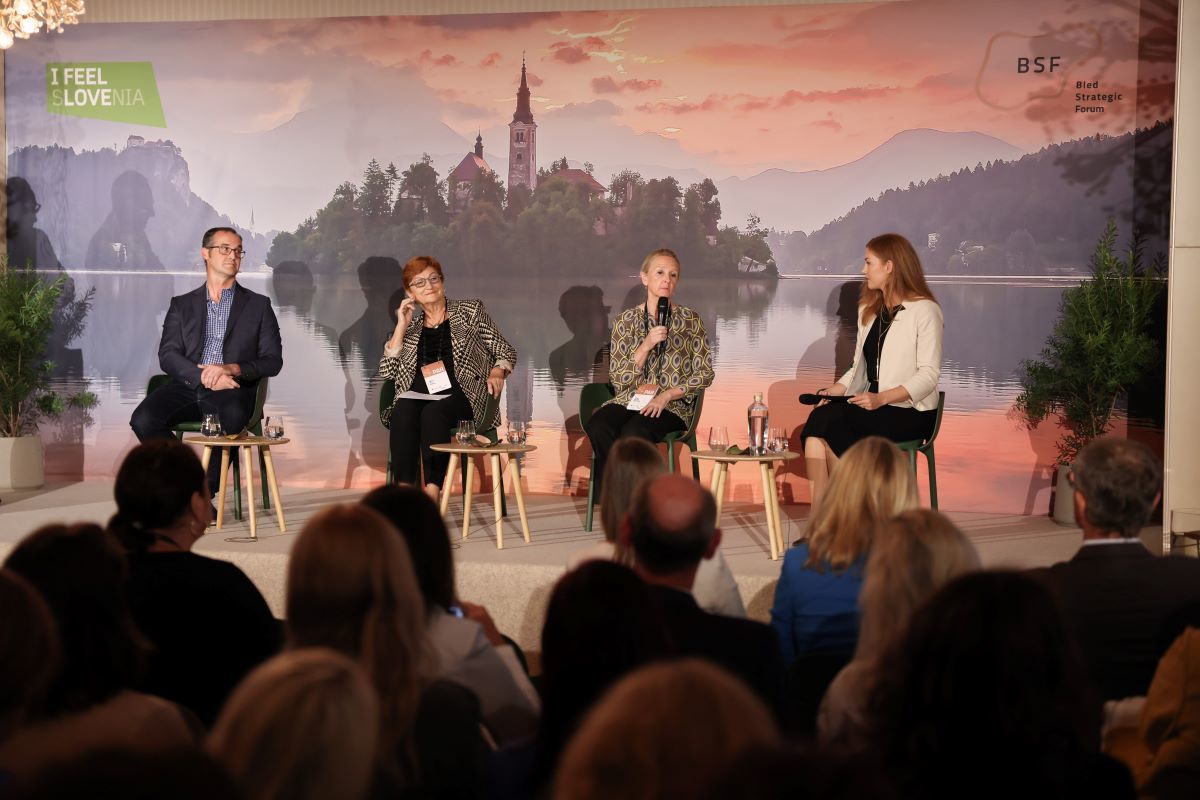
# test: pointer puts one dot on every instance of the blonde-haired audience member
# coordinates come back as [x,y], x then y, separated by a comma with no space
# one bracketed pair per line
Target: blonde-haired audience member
[351,588]
[918,552]
[816,599]
[666,731]
[302,726]
[632,461]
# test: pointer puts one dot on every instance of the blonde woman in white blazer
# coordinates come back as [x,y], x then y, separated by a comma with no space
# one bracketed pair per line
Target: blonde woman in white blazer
[897,362]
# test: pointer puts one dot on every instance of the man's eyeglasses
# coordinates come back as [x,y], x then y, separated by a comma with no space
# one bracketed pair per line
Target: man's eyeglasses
[225,250]
[420,283]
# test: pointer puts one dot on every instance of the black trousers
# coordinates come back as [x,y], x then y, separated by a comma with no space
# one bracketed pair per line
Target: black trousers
[173,403]
[843,424]
[417,424]
[614,421]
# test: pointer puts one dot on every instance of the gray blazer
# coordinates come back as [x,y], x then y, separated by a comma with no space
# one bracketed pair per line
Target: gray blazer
[478,346]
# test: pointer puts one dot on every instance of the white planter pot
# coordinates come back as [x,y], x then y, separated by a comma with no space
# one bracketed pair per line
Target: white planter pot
[22,462]
[1063,510]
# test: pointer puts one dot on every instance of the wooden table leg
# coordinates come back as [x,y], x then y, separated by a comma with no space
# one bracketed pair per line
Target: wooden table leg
[221,486]
[248,462]
[520,495]
[274,487]
[448,484]
[714,486]
[205,457]
[467,495]
[723,477]
[768,487]
[497,494]
[775,511]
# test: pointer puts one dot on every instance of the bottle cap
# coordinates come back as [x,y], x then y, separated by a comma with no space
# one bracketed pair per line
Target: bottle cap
[758,397]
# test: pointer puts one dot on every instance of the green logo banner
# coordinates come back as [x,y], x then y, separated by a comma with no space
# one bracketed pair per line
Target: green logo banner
[119,91]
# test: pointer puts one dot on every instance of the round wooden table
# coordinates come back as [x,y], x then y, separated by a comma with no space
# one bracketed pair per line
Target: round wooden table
[766,464]
[224,443]
[493,452]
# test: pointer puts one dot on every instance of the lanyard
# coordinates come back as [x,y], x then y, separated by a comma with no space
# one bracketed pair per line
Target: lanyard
[886,319]
[655,373]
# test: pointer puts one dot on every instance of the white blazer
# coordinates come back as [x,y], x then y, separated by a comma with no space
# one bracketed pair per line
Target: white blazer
[911,357]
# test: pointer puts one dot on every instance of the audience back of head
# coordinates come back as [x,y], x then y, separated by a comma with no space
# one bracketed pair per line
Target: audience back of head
[122,774]
[420,522]
[29,652]
[666,731]
[672,523]
[1120,481]
[302,726]
[631,461]
[871,483]
[80,572]
[157,484]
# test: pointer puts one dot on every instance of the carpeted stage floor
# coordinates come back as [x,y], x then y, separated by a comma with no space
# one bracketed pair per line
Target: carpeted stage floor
[514,583]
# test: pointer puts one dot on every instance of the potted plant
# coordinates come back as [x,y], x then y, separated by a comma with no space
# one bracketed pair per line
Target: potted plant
[33,309]
[1100,346]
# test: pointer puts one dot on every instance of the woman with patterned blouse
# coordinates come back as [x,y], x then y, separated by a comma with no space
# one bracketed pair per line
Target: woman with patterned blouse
[657,371]
[451,348]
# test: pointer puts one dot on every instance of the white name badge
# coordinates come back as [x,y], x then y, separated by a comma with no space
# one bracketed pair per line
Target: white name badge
[642,397]
[436,377]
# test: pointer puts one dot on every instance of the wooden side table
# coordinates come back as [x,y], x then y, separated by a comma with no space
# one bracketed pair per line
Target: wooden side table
[766,465]
[493,452]
[244,447]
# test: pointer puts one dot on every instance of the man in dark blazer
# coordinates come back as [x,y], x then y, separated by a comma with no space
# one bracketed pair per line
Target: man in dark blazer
[1122,604]
[218,341]
[671,527]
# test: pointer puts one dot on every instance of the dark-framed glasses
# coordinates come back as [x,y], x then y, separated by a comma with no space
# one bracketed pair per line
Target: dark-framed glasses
[420,283]
[225,249]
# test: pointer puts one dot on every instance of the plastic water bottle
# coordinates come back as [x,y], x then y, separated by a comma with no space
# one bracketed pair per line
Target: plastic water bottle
[756,424]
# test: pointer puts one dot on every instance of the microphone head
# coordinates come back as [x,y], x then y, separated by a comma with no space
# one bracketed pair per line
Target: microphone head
[810,399]
[664,308]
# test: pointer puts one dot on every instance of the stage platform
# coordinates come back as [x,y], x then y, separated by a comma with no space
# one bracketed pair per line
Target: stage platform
[515,583]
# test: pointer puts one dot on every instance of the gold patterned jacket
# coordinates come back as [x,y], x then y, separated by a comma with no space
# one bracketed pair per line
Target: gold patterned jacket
[478,346]
[685,364]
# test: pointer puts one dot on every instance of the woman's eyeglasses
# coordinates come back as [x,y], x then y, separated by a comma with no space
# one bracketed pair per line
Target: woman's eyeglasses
[420,283]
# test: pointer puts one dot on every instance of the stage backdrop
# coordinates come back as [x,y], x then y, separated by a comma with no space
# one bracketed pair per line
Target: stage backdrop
[539,156]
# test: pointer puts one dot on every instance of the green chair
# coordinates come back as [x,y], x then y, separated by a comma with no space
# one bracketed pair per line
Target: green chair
[387,396]
[926,446]
[595,395]
[254,427]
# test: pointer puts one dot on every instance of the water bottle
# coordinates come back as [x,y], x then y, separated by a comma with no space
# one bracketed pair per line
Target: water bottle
[756,424]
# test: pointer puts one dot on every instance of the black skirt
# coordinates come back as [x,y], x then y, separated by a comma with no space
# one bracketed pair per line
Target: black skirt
[843,424]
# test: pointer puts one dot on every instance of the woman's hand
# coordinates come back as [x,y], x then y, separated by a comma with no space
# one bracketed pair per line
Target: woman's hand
[837,390]
[657,334]
[404,314]
[495,381]
[868,400]
[656,406]
[480,614]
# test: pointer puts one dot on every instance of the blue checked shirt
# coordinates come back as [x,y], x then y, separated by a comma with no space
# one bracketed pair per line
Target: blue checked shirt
[214,330]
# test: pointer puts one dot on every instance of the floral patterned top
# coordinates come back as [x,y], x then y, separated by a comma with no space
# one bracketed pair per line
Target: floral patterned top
[686,362]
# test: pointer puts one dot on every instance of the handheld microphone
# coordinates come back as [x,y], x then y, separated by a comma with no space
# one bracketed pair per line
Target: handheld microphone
[810,399]
[664,318]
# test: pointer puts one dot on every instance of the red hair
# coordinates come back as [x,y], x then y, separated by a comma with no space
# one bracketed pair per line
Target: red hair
[908,280]
[418,264]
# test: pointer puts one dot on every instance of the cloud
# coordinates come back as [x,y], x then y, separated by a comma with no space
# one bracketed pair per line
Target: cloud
[444,60]
[831,124]
[853,94]
[711,103]
[531,79]
[621,27]
[606,85]
[457,25]
[490,60]
[568,53]
[594,110]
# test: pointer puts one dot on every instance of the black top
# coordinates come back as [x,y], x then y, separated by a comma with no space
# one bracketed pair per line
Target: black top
[434,345]
[872,351]
[208,624]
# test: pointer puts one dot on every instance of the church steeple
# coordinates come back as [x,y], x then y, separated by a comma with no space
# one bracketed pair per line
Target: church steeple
[479,144]
[523,112]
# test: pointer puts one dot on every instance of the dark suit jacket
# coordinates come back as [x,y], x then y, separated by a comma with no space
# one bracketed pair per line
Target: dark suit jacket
[251,337]
[747,649]
[1116,600]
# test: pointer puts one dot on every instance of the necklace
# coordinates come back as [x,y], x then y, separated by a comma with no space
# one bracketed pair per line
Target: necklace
[886,318]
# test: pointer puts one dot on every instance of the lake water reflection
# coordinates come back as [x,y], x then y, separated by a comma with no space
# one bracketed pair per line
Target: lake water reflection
[780,337]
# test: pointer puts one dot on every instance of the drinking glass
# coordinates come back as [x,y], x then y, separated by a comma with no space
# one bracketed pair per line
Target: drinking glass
[273,427]
[777,441]
[465,431]
[517,432]
[210,426]
[718,437]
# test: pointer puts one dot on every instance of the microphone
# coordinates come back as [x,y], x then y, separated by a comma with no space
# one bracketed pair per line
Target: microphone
[664,318]
[811,399]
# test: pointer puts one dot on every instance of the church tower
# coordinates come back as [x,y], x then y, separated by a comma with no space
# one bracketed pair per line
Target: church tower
[522,140]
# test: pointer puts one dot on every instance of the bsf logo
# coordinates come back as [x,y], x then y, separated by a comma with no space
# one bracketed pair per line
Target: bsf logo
[1038,64]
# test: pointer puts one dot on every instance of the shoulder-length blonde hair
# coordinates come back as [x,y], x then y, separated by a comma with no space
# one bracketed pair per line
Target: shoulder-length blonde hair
[351,588]
[302,726]
[630,462]
[662,251]
[917,553]
[908,279]
[870,484]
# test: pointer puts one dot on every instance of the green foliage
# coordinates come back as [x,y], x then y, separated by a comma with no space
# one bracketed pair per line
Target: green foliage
[30,313]
[1100,346]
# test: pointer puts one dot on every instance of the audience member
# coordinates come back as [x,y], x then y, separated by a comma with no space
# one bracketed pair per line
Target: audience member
[985,697]
[630,462]
[1116,597]
[918,552]
[302,726]
[208,624]
[468,646]
[816,599]
[671,527]
[80,572]
[1170,726]
[123,774]
[351,588]
[29,653]
[800,773]
[663,733]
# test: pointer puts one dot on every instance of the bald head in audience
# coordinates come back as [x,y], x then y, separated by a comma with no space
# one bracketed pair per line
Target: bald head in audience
[671,528]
